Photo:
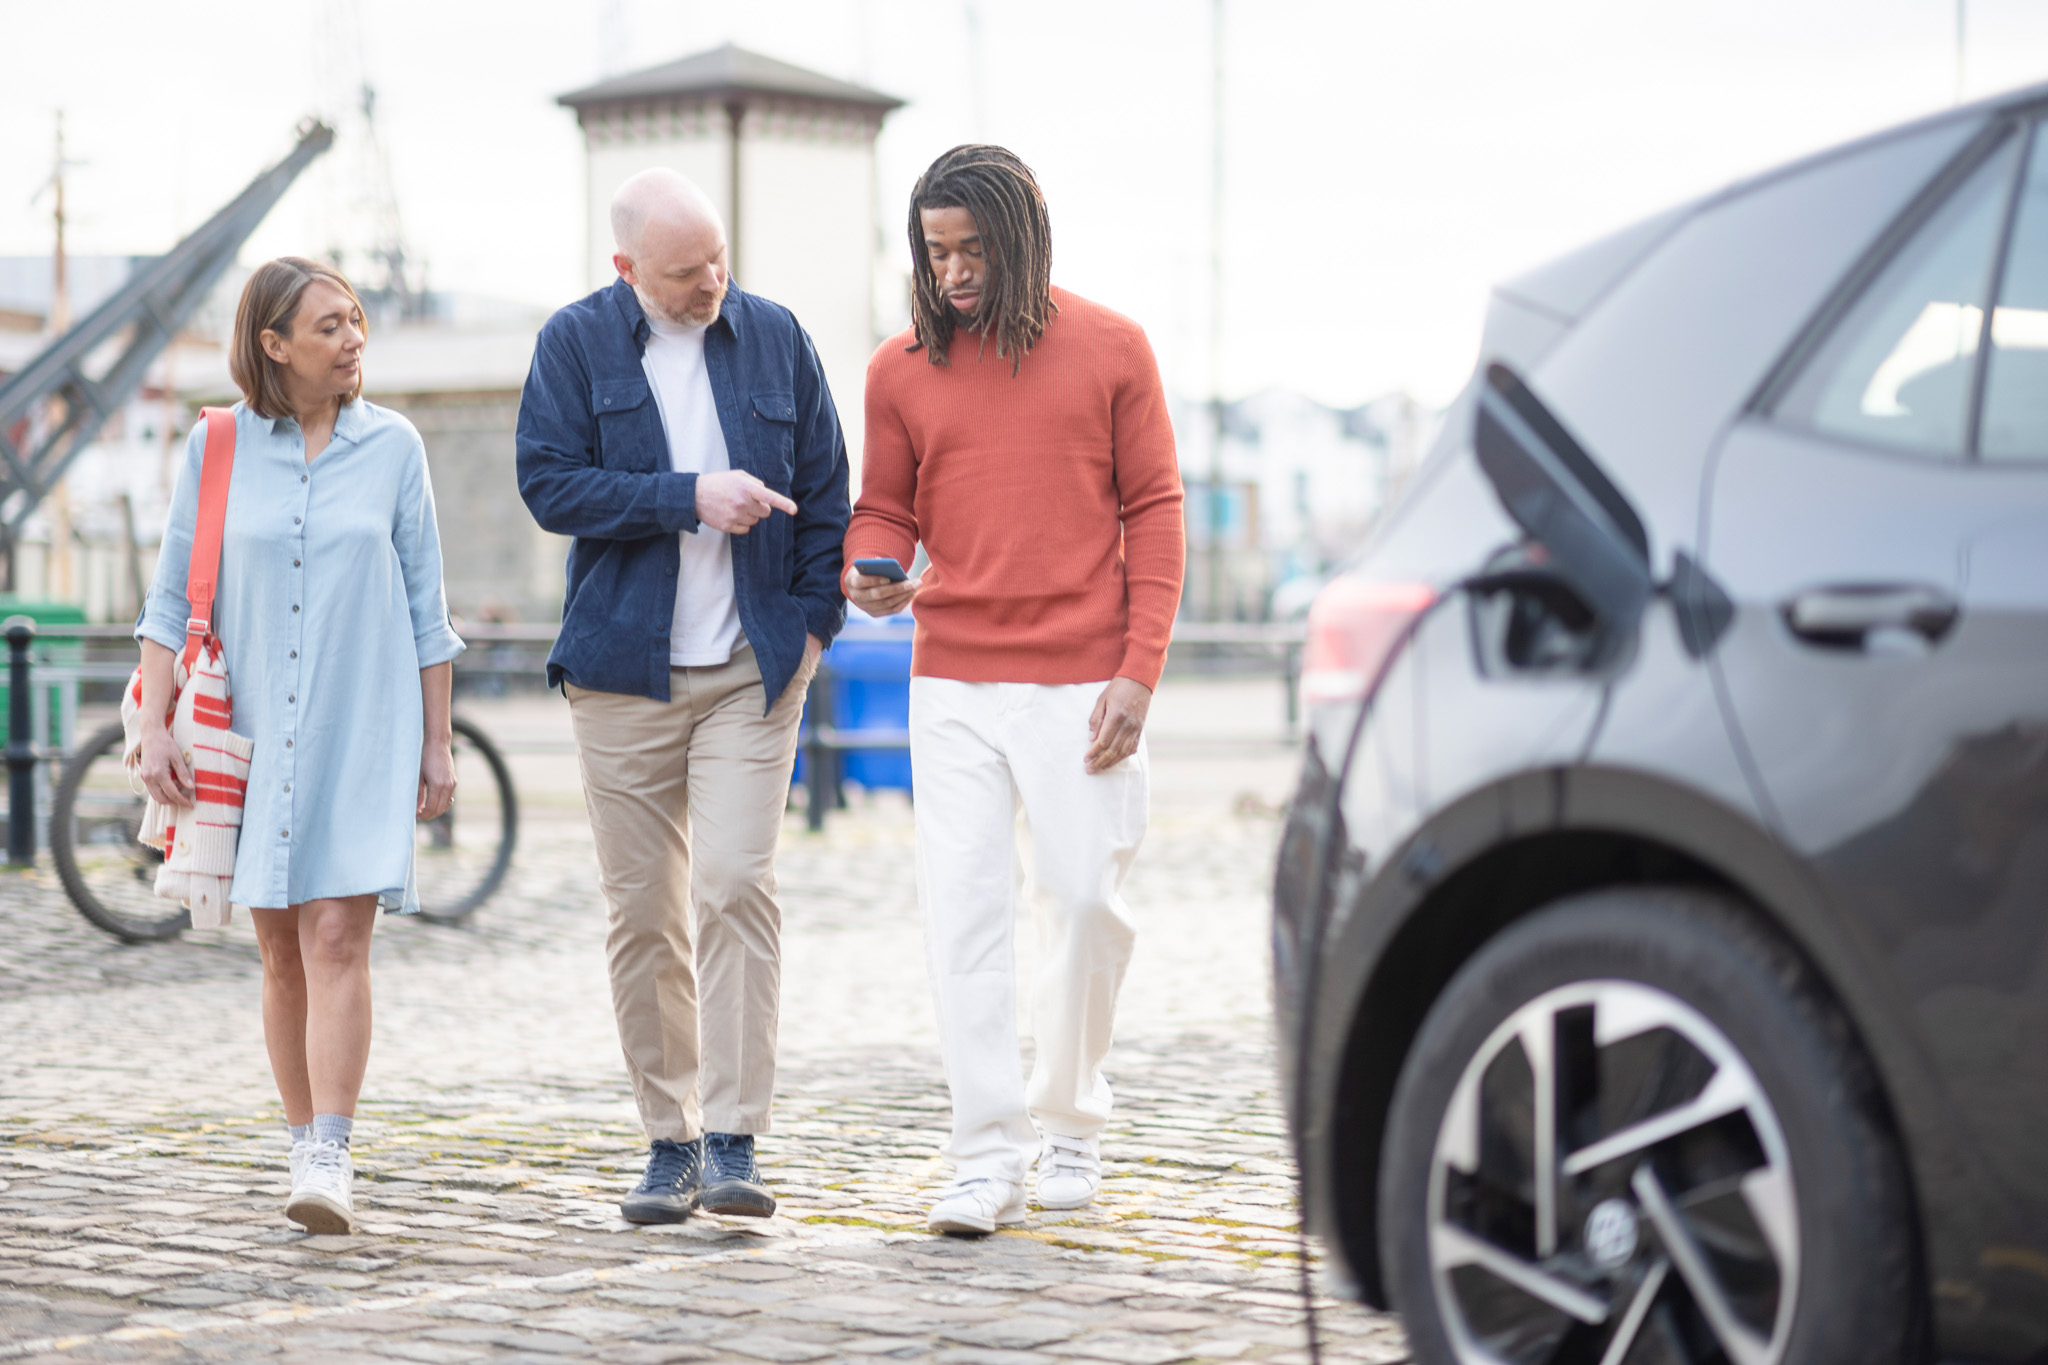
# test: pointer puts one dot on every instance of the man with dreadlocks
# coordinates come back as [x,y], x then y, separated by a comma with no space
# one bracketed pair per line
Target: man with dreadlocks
[1021,434]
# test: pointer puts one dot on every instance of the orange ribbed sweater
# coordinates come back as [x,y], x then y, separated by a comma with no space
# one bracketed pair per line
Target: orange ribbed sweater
[1049,502]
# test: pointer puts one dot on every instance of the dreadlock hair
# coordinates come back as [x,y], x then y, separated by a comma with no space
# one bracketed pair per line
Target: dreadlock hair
[1016,242]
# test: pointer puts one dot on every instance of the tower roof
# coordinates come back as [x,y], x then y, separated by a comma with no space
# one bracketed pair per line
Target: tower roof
[724,72]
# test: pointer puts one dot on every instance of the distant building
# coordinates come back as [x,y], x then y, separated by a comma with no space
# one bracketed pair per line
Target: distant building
[1302,485]
[460,386]
[27,284]
[788,155]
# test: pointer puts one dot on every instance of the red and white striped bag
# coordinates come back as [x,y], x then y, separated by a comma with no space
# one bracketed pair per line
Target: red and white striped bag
[198,844]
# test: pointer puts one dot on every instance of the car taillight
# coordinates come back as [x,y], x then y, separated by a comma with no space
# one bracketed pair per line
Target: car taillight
[1353,625]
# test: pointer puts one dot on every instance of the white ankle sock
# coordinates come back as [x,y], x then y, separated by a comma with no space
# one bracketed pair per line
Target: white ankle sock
[332,1128]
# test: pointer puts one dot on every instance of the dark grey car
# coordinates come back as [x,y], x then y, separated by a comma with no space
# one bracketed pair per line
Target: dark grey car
[1661,930]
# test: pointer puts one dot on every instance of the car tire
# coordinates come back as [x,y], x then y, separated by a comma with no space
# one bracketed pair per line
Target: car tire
[1725,1185]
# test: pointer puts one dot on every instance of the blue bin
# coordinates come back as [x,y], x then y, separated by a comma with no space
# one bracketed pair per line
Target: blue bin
[870,664]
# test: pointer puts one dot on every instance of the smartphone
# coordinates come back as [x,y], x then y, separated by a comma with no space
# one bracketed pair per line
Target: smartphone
[881,568]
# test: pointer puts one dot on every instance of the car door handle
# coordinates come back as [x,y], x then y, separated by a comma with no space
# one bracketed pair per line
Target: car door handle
[1853,616]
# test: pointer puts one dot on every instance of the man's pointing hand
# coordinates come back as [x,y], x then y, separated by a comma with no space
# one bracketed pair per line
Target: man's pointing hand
[732,500]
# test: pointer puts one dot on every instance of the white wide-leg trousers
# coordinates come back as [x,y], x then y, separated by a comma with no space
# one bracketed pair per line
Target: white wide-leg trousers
[976,750]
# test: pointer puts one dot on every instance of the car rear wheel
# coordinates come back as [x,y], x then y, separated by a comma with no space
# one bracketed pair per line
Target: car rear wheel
[1631,1131]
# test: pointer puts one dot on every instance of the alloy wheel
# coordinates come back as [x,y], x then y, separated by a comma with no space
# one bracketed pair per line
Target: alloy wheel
[1610,1185]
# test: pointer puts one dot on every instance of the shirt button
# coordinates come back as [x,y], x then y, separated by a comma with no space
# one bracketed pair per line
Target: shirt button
[295,563]
[287,744]
[284,834]
[287,786]
[293,698]
[295,654]
[295,521]
[295,606]
[302,478]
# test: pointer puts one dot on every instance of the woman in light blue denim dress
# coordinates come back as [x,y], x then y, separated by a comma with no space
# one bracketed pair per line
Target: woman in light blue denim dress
[331,613]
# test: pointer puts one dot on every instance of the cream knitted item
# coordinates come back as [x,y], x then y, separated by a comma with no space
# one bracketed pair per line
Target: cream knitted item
[198,845]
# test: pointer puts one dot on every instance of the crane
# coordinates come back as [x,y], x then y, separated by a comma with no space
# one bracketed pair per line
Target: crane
[133,325]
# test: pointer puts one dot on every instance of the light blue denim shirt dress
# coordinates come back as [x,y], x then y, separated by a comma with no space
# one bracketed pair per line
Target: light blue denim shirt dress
[330,603]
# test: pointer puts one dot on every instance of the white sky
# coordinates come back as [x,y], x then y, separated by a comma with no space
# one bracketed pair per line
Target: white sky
[1386,159]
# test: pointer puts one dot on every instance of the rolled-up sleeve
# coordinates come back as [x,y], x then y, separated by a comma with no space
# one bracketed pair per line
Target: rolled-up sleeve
[165,609]
[417,536]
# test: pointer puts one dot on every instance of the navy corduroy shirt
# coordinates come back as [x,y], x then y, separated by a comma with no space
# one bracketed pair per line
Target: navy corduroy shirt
[594,464]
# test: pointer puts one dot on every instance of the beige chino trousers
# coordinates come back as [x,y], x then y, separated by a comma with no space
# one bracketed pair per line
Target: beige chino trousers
[686,800]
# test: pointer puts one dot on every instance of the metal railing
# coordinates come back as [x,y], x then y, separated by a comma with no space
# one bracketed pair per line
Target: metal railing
[1198,647]
[39,678]
[824,743]
[1281,641]
[102,657]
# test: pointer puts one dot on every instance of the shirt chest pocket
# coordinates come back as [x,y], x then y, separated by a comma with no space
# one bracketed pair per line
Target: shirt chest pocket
[629,435]
[771,428]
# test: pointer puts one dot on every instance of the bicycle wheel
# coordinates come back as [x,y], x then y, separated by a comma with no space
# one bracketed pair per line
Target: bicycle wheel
[460,858]
[95,818]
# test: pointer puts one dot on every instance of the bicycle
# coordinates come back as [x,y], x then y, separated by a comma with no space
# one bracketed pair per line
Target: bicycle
[459,858]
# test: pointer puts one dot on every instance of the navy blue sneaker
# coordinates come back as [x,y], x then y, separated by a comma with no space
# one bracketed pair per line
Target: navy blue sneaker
[667,1193]
[732,1183]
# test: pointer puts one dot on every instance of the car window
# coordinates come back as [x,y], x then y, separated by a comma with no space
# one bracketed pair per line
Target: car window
[2015,419]
[1897,369]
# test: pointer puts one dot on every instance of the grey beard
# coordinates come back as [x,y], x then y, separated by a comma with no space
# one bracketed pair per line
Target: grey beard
[655,310]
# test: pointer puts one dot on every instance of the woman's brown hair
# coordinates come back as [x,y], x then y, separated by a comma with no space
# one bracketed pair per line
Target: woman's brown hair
[270,300]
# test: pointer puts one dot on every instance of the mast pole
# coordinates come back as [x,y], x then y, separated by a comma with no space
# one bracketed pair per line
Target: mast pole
[1214,567]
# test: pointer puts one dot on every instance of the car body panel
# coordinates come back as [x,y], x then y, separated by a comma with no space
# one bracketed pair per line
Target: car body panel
[1425,744]
[1518,334]
[1914,781]
[1666,717]
[1567,287]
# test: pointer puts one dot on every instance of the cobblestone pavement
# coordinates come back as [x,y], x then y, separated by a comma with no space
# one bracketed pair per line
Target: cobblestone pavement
[142,1166]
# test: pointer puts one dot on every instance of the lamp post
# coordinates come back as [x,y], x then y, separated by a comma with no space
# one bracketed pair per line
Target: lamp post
[21,749]
[1961,6]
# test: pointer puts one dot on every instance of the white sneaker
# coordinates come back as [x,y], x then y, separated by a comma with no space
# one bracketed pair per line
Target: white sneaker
[978,1206]
[1069,1172]
[321,1202]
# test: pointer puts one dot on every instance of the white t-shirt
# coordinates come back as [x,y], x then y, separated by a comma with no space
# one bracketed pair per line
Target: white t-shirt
[707,621]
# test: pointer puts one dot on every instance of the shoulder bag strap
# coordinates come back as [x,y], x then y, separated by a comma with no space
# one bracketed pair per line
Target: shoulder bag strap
[202,575]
